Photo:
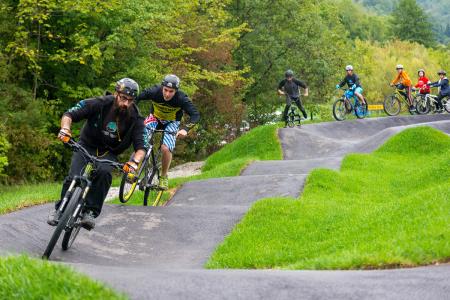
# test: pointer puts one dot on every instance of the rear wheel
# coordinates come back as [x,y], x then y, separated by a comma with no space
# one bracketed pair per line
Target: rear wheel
[422,107]
[339,110]
[361,110]
[68,211]
[392,105]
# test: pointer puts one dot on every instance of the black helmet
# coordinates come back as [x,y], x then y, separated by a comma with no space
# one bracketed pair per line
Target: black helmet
[171,81]
[442,72]
[289,73]
[128,87]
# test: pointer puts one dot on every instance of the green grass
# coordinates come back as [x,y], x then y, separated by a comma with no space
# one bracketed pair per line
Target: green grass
[386,209]
[260,143]
[20,196]
[22,277]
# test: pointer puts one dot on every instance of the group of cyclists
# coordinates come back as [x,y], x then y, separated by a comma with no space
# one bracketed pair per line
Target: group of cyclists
[290,87]
[113,123]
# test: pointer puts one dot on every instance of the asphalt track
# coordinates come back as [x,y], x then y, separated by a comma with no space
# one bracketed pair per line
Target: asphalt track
[159,252]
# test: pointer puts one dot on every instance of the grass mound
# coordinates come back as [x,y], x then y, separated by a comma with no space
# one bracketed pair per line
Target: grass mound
[260,143]
[22,277]
[389,208]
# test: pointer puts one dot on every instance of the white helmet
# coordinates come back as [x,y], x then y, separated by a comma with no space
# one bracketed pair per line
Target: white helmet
[349,68]
[399,67]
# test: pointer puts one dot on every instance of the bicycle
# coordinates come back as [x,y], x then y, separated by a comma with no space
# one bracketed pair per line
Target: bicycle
[392,103]
[293,116]
[71,210]
[147,174]
[344,106]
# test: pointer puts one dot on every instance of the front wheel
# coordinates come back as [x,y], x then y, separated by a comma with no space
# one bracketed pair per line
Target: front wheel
[446,104]
[68,211]
[339,110]
[69,236]
[128,184]
[392,105]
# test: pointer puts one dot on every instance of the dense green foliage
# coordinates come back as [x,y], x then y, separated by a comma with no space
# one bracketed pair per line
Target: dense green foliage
[22,277]
[356,217]
[230,56]
[437,10]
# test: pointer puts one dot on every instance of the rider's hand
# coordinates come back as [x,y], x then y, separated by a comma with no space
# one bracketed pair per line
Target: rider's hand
[64,135]
[182,133]
[391,84]
[337,86]
[130,167]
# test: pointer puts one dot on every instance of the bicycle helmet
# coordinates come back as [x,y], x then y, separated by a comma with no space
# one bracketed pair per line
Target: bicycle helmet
[399,67]
[171,81]
[349,68]
[442,72]
[128,87]
[421,70]
[289,73]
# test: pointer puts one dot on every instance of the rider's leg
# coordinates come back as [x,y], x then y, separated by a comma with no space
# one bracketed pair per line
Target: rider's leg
[299,104]
[408,93]
[439,105]
[286,108]
[358,93]
[166,160]
[100,185]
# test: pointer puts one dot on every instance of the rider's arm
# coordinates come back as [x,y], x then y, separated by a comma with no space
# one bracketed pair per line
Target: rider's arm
[343,82]
[148,93]
[396,79]
[138,140]
[84,109]
[280,86]
[191,110]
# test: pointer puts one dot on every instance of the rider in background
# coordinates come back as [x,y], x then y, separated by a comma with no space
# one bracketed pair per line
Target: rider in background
[353,83]
[444,89]
[422,83]
[290,87]
[404,83]
[113,124]
[166,112]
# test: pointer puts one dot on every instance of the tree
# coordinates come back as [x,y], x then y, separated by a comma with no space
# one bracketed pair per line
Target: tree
[410,23]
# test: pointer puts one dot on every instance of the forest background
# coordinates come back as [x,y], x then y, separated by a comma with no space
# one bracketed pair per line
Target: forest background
[229,54]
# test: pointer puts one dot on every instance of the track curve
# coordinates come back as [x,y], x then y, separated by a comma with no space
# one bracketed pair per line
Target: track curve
[159,252]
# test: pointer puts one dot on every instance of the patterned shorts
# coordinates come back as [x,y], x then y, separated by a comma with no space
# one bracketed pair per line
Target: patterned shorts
[153,123]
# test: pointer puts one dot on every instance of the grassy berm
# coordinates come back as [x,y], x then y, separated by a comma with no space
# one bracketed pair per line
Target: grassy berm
[390,208]
[22,277]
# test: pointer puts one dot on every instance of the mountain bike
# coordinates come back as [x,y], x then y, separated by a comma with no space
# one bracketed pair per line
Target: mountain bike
[71,210]
[293,117]
[392,104]
[348,104]
[148,173]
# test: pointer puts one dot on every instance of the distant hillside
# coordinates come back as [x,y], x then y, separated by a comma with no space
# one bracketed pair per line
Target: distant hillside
[438,10]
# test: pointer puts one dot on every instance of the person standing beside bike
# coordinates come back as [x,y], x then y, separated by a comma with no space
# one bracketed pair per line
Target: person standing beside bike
[290,87]
[166,112]
[403,82]
[444,89]
[353,83]
[113,124]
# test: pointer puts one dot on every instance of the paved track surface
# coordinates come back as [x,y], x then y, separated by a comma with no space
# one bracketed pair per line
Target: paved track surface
[159,253]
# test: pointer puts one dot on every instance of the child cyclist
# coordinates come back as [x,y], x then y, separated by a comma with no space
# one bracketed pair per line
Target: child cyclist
[403,82]
[422,83]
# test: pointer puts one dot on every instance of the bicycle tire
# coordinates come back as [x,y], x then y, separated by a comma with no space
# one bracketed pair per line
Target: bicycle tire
[341,103]
[125,193]
[154,174]
[391,102]
[68,211]
[69,237]
[422,106]
[361,110]
[446,105]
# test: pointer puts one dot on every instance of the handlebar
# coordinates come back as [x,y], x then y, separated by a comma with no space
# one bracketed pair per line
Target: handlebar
[77,147]
[163,131]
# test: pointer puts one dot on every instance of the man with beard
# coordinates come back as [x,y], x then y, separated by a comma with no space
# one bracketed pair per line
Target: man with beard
[113,124]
